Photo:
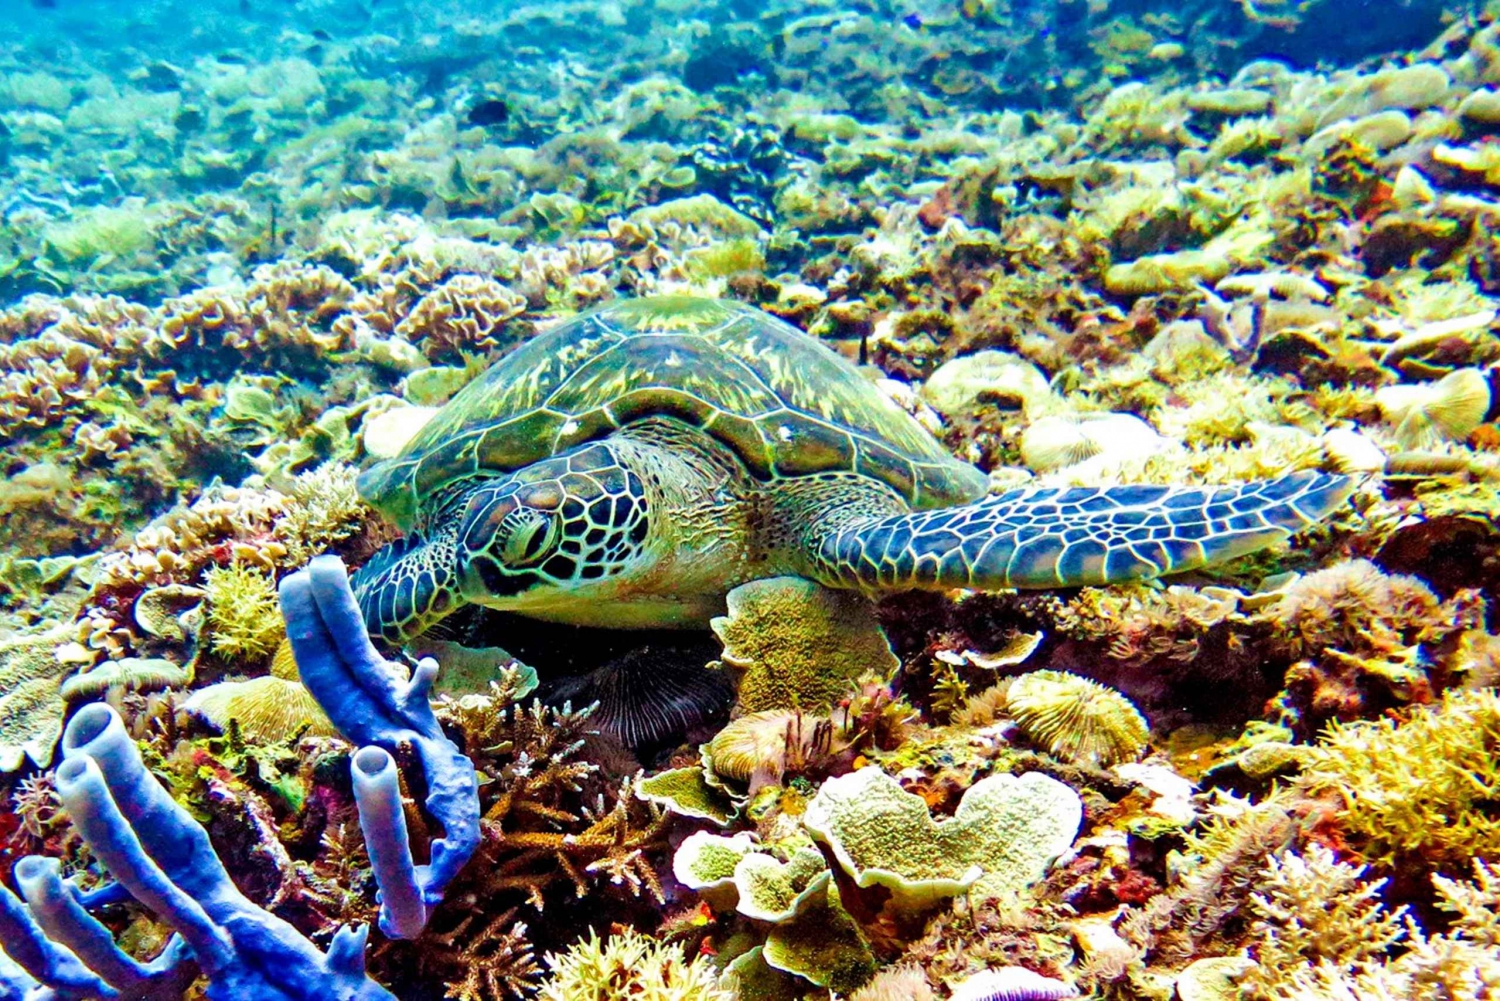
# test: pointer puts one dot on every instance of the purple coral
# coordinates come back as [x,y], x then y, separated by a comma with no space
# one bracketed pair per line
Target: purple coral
[1012,983]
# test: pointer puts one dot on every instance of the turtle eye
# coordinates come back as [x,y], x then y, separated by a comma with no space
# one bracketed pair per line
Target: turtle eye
[526,537]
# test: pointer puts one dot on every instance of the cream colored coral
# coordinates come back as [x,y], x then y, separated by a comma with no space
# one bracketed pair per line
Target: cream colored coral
[629,966]
[1427,414]
[1054,442]
[1077,718]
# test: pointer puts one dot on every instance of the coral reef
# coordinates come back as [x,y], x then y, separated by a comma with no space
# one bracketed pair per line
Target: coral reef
[252,250]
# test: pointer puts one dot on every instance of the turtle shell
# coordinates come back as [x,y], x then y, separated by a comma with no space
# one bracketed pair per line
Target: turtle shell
[785,404]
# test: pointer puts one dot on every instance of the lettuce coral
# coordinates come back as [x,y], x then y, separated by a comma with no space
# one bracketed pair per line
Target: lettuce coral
[1006,831]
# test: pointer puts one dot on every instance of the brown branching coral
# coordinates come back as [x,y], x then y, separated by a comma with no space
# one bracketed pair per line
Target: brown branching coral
[1311,908]
[496,960]
[547,816]
[1322,933]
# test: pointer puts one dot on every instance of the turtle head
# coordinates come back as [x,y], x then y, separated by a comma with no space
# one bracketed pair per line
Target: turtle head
[579,517]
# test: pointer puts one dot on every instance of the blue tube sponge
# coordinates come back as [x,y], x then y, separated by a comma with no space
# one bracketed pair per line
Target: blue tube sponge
[30,959]
[371,702]
[377,792]
[65,919]
[157,852]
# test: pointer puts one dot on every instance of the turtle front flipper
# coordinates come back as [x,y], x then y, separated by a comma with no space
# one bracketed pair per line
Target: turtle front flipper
[1067,537]
[409,586]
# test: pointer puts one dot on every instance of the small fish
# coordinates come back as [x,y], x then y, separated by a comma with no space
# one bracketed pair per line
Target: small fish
[491,112]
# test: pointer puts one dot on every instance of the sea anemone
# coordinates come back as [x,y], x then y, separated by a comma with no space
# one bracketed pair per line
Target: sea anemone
[906,982]
[1077,719]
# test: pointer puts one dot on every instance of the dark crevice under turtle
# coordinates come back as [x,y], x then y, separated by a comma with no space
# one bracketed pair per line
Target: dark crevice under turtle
[630,466]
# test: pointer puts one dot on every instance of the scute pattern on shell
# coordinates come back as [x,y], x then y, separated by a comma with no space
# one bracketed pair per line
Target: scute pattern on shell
[785,404]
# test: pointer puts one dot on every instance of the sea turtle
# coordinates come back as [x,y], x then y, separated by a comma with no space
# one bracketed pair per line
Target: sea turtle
[630,466]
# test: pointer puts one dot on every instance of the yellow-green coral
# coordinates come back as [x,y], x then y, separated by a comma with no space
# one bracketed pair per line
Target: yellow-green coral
[822,945]
[1420,789]
[1076,718]
[776,891]
[244,616]
[686,792]
[799,645]
[31,703]
[632,966]
[1006,831]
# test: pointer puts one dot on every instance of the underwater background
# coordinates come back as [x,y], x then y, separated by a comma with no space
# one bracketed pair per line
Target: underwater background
[248,247]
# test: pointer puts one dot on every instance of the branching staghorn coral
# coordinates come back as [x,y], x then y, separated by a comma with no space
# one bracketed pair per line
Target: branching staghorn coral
[1311,908]
[1323,933]
[549,816]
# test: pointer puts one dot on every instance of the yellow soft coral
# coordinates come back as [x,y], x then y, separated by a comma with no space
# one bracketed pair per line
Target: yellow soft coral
[1420,789]
[629,965]
[244,617]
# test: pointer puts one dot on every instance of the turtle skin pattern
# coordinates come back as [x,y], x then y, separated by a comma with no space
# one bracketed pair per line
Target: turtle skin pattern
[1067,537]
